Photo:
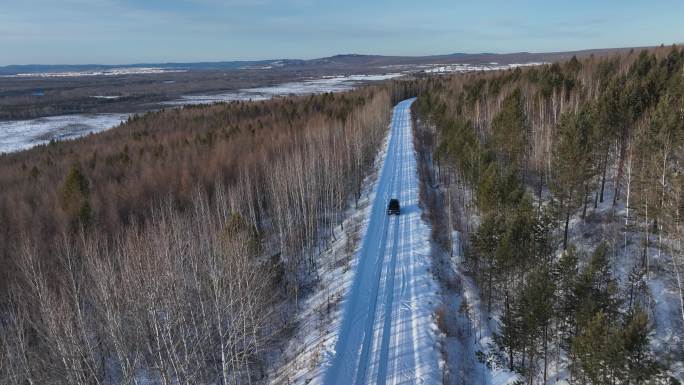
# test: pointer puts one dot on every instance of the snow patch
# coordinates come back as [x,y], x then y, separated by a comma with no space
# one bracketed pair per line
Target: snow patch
[22,134]
[305,87]
[106,72]
[493,66]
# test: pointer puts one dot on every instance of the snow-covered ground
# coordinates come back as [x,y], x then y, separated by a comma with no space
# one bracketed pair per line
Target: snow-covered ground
[450,68]
[372,318]
[388,333]
[664,302]
[466,328]
[22,134]
[319,313]
[457,67]
[104,72]
[304,87]
[479,329]
[603,224]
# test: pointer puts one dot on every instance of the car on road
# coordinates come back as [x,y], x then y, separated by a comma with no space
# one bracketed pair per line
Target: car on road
[393,207]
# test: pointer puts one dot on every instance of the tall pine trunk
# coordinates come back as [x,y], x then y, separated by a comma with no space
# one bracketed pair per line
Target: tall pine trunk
[510,345]
[603,177]
[567,222]
[621,162]
[586,197]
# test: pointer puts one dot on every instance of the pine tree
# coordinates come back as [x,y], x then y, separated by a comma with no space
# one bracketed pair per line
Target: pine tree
[567,275]
[596,289]
[595,351]
[488,197]
[537,300]
[485,243]
[572,163]
[510,129]
[640,364]
[75,198]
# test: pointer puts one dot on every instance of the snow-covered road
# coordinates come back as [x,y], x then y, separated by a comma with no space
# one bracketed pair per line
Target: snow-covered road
[388,334]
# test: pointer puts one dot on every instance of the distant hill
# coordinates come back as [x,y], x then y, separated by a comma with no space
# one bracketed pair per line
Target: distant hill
[343,61]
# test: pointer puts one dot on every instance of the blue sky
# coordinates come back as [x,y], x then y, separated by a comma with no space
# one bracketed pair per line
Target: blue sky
[133,31]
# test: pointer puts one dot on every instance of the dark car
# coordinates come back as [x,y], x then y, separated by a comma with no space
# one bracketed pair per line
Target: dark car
[393,207]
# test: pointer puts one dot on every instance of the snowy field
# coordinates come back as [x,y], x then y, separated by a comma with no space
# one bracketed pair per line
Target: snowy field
[305,87]
[106,72]
[22,134]
[458,67]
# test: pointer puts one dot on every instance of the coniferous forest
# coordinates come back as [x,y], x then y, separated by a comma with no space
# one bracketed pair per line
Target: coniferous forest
[565,182]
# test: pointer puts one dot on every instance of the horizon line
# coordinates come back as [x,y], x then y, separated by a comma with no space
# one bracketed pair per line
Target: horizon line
[168,62]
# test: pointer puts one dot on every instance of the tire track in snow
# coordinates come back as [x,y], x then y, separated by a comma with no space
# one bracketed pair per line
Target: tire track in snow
[368,334]
[387,334]
[361,299]
[391,271]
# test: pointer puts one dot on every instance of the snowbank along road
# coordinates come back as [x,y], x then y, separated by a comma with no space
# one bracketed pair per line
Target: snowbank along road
[387,334]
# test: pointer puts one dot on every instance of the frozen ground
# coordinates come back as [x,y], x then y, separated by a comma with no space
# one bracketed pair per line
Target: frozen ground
[372,319]
[305,87]
[22,134]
